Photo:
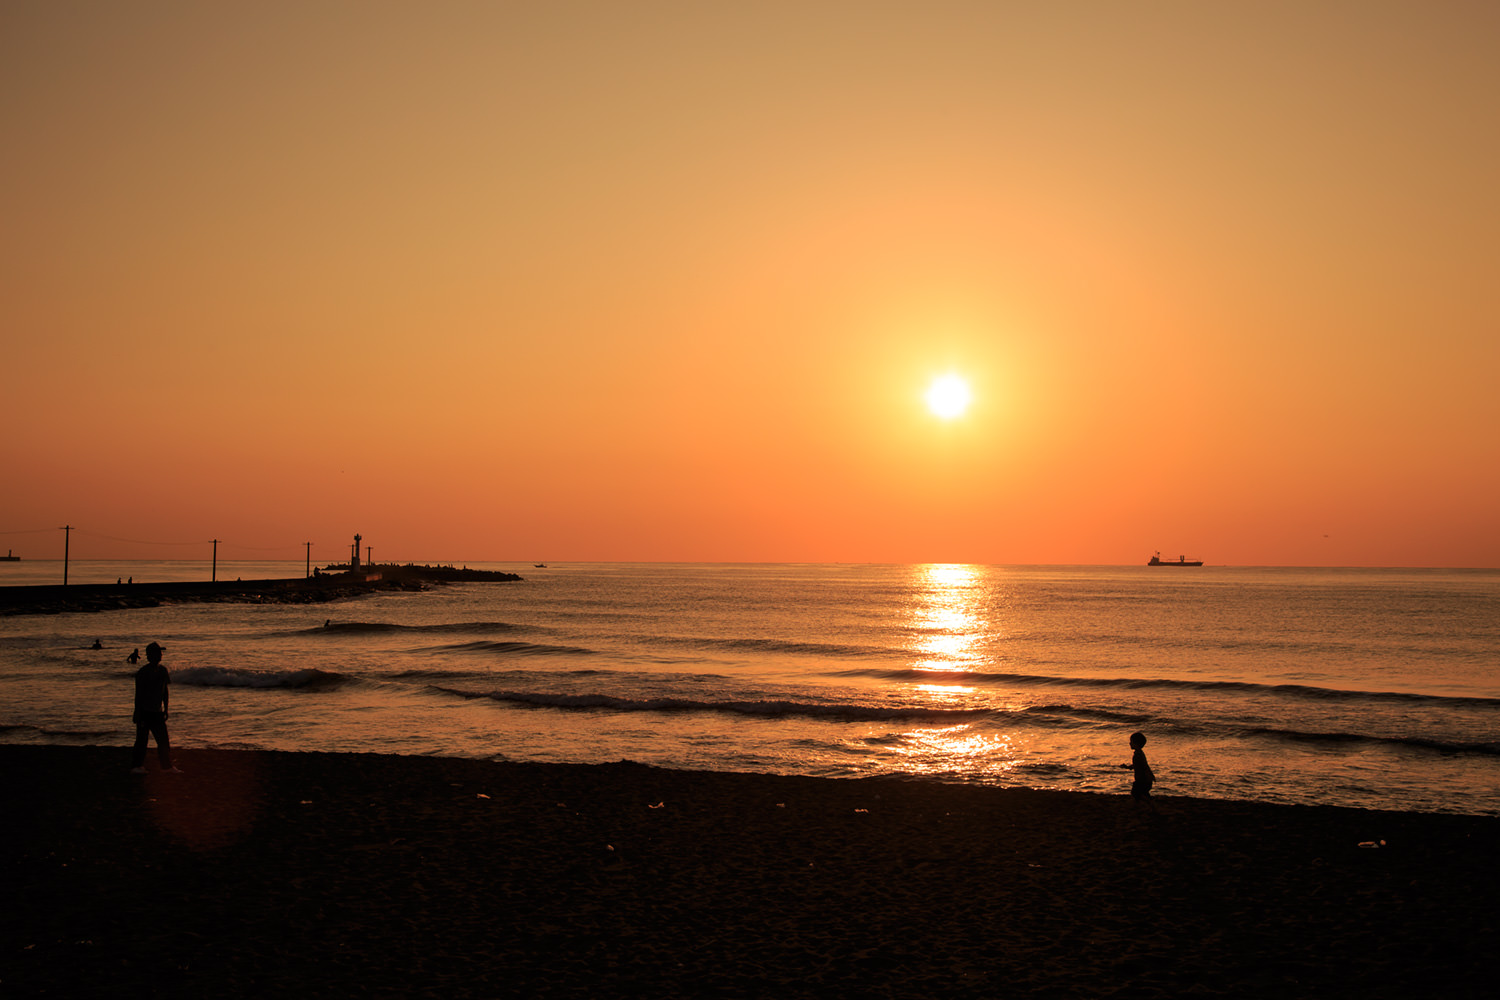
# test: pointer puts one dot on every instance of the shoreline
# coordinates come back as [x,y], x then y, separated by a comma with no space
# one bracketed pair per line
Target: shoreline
[264,872]
[51,599]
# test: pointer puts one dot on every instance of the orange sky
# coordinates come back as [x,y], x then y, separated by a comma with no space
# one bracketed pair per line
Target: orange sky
[663,281]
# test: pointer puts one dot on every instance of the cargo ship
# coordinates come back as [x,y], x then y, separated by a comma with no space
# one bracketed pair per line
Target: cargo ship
[1157,560]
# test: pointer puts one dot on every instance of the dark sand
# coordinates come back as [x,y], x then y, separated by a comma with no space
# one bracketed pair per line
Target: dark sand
[274,874]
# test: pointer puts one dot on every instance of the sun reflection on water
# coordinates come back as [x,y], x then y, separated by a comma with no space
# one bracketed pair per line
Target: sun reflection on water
[947,617]
[952,634]
[955,750]
[946,692]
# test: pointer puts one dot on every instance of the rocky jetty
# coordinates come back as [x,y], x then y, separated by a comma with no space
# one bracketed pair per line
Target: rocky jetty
[318,589]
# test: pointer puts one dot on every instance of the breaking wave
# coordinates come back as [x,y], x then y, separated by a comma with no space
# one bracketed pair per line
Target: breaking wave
[1053,716]
[55,732]
[1043,715]
[518,649]
[836,649]
[379,628]
[1485,748]
[1300,691]
[307,680]
[761,709]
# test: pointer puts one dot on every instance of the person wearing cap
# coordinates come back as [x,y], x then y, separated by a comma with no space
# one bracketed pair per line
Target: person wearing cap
[152,692]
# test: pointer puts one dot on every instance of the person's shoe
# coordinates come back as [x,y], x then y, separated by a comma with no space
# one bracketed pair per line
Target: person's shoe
[137,770]
[172,770]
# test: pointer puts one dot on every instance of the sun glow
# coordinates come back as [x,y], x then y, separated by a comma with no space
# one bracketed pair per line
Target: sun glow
[949,397]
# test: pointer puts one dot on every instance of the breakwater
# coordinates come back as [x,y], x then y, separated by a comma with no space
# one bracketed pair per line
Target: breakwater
[318,589]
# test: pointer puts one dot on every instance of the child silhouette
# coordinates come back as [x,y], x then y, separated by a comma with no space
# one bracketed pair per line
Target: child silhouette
[1144,778]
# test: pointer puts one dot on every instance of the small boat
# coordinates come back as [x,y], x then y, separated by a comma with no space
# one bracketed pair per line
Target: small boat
[540,565]
[1157,560]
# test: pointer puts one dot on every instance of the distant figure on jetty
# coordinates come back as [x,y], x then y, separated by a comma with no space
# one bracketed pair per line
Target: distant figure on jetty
[152,694]
[134,657]
[1144,778]
[97,645]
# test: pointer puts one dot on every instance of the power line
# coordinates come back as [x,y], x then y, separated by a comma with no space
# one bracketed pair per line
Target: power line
[136,541]
[261,548]
[290,547]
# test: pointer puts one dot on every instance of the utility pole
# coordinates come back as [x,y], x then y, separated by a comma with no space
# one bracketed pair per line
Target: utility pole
[215,577]
[308,571]
[67,534]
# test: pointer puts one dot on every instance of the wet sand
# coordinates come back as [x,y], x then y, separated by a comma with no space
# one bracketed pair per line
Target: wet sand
[265,874]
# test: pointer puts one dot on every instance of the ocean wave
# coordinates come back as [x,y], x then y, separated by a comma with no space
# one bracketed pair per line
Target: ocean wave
[77,734]
[760,709]
[793,647]
[308,679]
[1086,714]
[368,628]
[835,649]
[1483,748]
[1302,691]
[54,732]
[1049,716]
[435,675]
[491,676]
[517,648]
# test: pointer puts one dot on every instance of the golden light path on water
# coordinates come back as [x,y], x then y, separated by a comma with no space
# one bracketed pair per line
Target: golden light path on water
[948,616]
[950,619]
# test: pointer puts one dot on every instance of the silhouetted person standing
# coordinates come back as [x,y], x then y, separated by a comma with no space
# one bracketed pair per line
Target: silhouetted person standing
[1144,778]
[152,693]
[134,657]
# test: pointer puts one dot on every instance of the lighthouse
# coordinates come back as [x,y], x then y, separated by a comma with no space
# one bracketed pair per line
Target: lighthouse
[354,556]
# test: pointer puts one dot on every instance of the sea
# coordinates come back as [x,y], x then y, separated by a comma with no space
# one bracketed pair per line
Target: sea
[1373,688]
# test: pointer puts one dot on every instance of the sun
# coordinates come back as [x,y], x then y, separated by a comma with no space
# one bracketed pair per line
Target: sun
[948,397]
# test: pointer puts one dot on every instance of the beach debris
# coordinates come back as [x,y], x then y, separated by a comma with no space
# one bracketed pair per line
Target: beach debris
[781,805]
[861,810]
[1372,843]
[659,805]
[482,796]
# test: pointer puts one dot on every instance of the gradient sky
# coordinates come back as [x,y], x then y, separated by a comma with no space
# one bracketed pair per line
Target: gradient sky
[668,281]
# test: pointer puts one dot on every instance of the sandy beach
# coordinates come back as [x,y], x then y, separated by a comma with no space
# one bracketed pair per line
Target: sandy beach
[264,874]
